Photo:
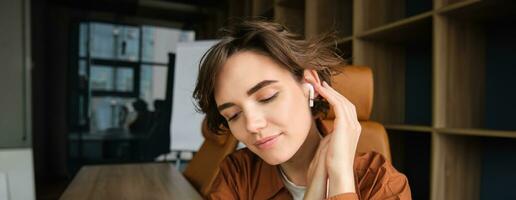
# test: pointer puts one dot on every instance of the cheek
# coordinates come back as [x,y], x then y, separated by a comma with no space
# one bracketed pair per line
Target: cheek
[238,133]
[292,113]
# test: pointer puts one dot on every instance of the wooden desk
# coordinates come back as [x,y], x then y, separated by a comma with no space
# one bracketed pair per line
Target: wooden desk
[130,181]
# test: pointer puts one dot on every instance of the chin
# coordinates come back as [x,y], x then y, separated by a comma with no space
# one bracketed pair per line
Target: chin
[276,157]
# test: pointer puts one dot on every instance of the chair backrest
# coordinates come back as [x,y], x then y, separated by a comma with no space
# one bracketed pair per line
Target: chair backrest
[356,84]
[204,166]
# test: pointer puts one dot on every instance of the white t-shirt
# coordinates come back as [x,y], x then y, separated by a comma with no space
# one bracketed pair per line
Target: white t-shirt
[298,192]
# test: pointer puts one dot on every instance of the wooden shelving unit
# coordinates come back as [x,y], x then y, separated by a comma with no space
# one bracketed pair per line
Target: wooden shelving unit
[444,75]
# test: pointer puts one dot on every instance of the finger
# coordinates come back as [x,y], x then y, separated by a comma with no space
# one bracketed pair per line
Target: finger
[320,180]
[319,172]
[325,93]
[316,158]
[326,140]
[349,108]
[324,152]
[324,172]
[336,93]
[317,155]
[343,114]
[347,104]
[322,145]
[321,164]
[313,164]
[323,148]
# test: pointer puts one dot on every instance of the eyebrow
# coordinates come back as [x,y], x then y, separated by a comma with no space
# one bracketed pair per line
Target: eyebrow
[251,91]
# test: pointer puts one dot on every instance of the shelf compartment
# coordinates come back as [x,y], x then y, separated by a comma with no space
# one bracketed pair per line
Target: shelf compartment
[345,49]
[473,167]
[497,173]
[370,14]
[500,73]
[479,10]
[402,78]
[411,156]
[475,60]
[407,30]
[324,16]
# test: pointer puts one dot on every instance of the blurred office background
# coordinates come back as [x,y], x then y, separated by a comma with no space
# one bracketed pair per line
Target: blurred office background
[97,87]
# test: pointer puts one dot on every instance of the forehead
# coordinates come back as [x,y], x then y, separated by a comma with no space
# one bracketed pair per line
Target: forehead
[245,69]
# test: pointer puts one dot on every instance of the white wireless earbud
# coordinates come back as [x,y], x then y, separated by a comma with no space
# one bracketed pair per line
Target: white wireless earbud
[311,93]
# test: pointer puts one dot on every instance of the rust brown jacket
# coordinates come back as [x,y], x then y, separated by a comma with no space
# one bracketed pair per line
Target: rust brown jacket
[244,175]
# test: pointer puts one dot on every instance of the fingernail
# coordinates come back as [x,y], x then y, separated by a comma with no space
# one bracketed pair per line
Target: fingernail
[324,83]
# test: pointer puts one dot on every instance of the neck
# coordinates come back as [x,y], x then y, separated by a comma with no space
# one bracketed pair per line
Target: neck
[297,167]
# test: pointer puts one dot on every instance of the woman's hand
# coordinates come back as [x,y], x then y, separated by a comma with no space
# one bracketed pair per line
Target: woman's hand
[338,148]
[317,175]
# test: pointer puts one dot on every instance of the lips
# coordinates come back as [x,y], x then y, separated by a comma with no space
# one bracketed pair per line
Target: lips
[267,142]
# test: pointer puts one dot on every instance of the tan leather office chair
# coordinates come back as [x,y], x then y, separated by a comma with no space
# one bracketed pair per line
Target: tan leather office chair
[204,166]
[356,84]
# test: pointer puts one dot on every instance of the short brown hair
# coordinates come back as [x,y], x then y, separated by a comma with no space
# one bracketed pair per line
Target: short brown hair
[291,51]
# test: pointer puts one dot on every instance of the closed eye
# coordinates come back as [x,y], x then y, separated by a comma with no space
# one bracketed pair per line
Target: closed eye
[234,116]
[267,100]
[270,98]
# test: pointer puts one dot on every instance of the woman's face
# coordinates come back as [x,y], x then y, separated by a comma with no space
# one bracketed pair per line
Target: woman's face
[265,107]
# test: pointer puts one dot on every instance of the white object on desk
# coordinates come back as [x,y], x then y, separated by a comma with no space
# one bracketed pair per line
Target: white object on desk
[17,167]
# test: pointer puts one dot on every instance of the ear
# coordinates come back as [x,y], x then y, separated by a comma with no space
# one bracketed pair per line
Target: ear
[311,76]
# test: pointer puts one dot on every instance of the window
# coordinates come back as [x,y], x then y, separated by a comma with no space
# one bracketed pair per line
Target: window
[111,78]
[118,64]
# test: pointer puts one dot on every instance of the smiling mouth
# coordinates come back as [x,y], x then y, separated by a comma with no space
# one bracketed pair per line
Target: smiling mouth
[267,142]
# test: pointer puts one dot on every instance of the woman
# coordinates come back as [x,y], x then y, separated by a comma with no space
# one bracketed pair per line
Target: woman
[256,82]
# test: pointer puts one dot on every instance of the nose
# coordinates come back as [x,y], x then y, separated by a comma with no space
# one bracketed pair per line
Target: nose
[255,121]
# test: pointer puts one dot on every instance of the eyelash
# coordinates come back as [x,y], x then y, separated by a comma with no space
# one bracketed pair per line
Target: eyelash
[261,101]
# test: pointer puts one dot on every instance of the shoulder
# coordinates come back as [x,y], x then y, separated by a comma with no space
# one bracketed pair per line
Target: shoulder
[375,176]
